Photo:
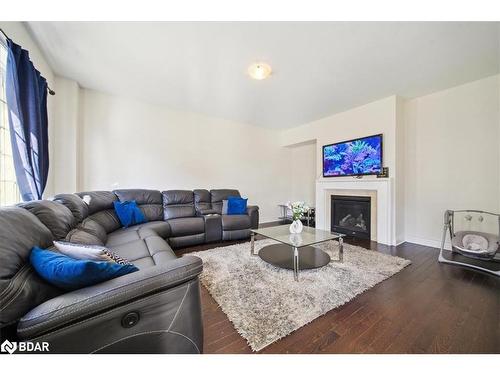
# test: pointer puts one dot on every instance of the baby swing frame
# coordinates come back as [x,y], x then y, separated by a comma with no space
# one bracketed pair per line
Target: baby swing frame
[466,258]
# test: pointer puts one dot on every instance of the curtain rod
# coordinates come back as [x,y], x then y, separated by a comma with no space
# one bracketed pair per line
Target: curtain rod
[50,91]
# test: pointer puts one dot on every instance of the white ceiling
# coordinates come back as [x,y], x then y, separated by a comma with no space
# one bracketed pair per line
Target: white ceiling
[318,68]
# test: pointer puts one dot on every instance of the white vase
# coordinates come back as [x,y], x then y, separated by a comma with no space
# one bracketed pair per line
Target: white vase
[296,226]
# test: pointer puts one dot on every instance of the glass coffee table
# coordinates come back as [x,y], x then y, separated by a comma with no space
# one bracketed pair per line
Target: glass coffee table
[294,251]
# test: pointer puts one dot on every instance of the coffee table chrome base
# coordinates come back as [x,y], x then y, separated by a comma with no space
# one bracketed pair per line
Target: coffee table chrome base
[341,251]
[296,264]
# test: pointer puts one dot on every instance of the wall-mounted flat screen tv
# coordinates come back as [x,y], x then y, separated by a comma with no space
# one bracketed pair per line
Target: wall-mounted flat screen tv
[357,157]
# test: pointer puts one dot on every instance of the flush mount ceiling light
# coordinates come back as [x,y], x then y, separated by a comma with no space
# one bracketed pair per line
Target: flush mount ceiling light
[259,70]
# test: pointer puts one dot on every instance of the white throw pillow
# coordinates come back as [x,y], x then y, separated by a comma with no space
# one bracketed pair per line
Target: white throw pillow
[82,251]
[224,206]
[89,252]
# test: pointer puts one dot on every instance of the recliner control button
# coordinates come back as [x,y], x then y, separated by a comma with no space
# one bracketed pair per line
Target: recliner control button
[130,319]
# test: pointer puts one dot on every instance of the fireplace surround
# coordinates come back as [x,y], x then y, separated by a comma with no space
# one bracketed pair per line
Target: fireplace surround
[382,204]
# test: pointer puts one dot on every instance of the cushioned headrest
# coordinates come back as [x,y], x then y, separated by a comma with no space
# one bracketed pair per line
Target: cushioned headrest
[76,205]
[99,200]
[178,203]
[149,201]
[107,219]
[20,287]
[93,227]
[140,196]
[202,200]
[218,195]
[55,216]
[84,237]
[171,197]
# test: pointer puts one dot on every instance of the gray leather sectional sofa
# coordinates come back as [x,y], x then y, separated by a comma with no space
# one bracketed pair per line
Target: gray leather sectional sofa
[154,310]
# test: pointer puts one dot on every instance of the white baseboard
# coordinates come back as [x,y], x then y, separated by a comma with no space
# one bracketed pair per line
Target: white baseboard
[428,242]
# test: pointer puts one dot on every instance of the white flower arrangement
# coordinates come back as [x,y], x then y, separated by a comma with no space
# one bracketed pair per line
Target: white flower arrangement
[298,209]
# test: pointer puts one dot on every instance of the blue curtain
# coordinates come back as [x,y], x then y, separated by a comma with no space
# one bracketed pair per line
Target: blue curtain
[27,105]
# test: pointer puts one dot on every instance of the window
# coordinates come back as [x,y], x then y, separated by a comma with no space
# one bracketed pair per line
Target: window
[9,192]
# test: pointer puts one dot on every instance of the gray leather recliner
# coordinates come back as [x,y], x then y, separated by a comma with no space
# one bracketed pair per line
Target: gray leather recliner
[154,310]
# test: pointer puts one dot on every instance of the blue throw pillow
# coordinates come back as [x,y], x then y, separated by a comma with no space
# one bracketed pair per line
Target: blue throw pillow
[70,274]
[236,206]
[129,213]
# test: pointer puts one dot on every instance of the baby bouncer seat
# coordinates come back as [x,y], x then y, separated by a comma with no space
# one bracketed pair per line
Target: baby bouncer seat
[472,248]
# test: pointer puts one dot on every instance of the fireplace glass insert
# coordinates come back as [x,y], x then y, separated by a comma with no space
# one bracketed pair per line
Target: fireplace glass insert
[350,215]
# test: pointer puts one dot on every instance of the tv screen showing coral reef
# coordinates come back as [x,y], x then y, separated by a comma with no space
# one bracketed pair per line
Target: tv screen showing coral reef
[358,157]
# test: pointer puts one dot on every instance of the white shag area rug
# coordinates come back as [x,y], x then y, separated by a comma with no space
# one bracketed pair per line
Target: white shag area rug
[265,303]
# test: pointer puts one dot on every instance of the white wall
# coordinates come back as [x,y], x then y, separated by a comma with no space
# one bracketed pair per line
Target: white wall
[126,144]
[452,156]
[20,35]
[400,207]
[303,173]
[66,121]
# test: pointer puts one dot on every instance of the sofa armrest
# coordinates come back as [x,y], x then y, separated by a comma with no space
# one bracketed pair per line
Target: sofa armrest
[93,300]
[253,212]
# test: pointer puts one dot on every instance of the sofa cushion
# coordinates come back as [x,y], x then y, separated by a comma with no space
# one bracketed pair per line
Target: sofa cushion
[145,252]
[140,231]
[131,250]
[81,236]
[186,225]
[21,289]
[157,245]
[235,222]
[122,236]
[107,219]
[162,228]
[233,235]
[93,227]
[218,195]
[55,216]
[185,241]
[99,200]
[76,205]
[149,201]
[178,203]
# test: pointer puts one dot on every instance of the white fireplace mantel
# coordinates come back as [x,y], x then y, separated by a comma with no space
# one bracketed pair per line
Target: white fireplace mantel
[385,207]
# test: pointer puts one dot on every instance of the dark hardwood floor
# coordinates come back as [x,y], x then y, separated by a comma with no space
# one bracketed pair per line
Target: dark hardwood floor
[426,308]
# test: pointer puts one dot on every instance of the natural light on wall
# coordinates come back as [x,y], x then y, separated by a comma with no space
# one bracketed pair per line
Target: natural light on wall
[9,192]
